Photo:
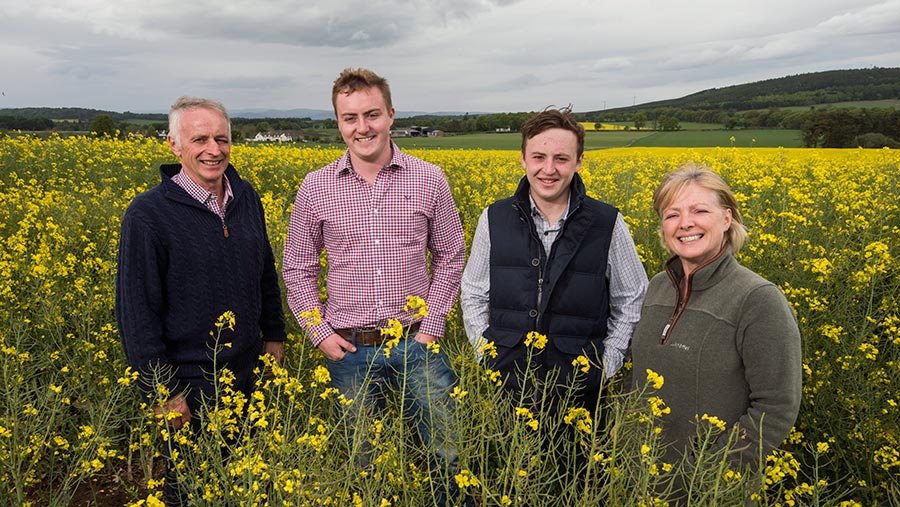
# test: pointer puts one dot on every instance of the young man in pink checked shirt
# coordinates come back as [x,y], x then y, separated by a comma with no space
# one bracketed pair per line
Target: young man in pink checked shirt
[378,212]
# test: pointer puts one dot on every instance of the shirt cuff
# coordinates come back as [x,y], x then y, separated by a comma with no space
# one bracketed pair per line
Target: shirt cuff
[612,362]
[433,325]
[317,334]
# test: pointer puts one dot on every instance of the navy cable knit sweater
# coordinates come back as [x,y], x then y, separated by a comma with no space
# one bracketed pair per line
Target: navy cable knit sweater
[178,273]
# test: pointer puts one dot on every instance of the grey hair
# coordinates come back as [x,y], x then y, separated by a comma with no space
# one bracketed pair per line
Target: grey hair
[185,103]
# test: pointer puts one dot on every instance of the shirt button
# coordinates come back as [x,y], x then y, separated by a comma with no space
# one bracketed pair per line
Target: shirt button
[377,271]
[377,241]
[532,313]
[535,262]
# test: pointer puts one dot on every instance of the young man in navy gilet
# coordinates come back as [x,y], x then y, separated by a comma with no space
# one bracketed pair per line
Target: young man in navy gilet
[554,261]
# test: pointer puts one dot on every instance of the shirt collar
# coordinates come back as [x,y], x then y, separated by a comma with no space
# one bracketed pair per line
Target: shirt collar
[535,211]
[345,166]
[199,193]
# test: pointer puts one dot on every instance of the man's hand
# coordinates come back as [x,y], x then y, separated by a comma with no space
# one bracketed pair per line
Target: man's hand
[175,404]
[424,338]
[276,350]
[334,346]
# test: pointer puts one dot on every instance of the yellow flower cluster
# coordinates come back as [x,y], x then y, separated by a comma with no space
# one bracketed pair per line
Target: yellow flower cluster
[535,340]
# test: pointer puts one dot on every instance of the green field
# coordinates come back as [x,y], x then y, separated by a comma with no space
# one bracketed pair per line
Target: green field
[685,125]
[760,138]
[513,141]
[764,138]
[860,104]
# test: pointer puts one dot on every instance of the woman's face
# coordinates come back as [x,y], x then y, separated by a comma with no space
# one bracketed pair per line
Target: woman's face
[694,226]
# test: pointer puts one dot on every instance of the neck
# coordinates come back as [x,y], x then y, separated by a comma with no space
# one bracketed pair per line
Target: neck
[552,210]
[215,187]
[368,169]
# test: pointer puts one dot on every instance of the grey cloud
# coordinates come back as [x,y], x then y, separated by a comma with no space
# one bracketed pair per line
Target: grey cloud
[877,19]
[520,82]
[85,62]
[268,82]
[355,24]
[611,63]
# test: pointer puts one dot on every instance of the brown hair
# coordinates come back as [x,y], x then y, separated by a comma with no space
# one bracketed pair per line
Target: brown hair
[553,119]
[354,80]
[701,175]
[185,103]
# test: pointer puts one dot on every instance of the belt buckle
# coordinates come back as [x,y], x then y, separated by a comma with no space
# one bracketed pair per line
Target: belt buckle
[362,336]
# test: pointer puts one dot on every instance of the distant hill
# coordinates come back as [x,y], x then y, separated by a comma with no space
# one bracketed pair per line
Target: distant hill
[77,113]
[85,114]
[798,90]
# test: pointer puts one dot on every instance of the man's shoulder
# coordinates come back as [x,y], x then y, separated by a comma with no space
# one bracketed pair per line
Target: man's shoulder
[323,175]
[419,166]
[148,199]
[504,203]
[597,205]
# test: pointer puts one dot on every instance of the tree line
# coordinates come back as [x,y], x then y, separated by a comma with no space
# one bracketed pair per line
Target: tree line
[828,128]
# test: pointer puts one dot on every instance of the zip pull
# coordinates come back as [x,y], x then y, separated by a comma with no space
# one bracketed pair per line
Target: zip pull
[224,230]
[665,332]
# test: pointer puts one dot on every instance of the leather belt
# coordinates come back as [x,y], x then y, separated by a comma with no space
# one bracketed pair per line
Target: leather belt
[371,337]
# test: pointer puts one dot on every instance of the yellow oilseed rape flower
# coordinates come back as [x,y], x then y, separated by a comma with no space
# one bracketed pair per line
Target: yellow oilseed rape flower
[226,320]
[492,376]
[715,421]
[528,416]
[311,318]
[394,329]
[655,379]
[487,348]
[465,479]
[390,344]
[418,304]
[731,475]
[458,394]
[658,407]
[129,377]
[579,417]
[321,375]
[536,340]
[582,363]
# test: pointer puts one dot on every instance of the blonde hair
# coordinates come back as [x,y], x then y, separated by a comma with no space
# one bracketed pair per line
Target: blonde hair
[701,175]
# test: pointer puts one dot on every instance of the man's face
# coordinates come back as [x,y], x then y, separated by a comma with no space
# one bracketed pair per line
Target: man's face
[203,146]
[365,124]
[551,160]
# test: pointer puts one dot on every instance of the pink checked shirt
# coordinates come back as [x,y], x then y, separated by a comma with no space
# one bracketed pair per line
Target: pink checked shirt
[377,239]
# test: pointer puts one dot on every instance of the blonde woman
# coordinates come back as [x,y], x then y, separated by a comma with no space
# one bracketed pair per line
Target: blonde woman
[724,339]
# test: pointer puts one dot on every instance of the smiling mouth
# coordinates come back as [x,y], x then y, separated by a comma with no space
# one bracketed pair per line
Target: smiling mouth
[364,139]
[689,239]
[210,162]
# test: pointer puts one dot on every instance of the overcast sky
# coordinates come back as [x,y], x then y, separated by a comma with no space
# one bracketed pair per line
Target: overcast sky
[438,55]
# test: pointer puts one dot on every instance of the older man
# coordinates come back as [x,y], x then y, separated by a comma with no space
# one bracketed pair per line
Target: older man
[191,249]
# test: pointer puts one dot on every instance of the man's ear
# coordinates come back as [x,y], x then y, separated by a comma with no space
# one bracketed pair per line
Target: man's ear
[173,145]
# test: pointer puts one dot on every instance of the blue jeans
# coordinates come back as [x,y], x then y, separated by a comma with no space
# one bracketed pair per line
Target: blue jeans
[425,381]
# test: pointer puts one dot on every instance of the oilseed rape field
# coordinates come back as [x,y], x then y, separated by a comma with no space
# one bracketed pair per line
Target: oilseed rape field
[824,224]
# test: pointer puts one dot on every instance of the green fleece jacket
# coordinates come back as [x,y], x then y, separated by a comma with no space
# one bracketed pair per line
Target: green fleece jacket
[733,352]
